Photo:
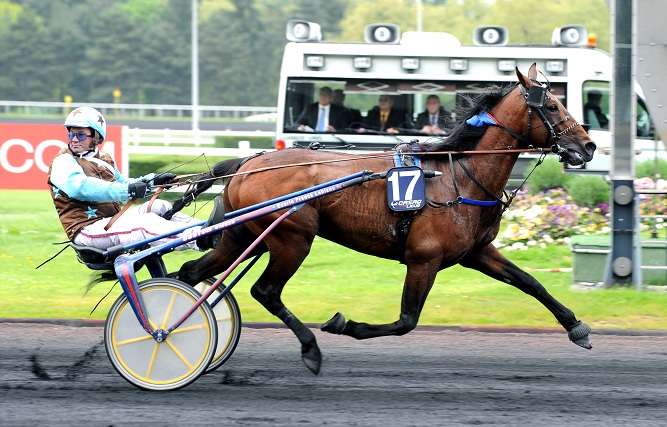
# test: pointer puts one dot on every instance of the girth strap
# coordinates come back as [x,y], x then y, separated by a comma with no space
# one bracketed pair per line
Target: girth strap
[402,231]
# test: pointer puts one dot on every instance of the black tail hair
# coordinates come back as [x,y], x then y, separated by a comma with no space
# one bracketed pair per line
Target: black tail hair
[99,277]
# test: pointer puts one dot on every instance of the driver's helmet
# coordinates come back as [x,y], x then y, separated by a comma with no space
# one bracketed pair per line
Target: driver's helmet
[87,117]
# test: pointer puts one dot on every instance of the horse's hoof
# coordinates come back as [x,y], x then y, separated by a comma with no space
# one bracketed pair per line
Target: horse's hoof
[312,358]
[579,335]
[335,325]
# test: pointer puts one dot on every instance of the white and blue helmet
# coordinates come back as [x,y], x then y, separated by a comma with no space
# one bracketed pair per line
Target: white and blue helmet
[87,117]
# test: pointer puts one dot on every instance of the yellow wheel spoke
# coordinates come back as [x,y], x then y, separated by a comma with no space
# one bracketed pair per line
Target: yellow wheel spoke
[153,325]
[169,308]
[180,356]
[152,361]
[134,340]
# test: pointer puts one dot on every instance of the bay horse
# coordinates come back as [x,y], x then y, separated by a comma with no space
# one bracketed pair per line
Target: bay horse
[442,234]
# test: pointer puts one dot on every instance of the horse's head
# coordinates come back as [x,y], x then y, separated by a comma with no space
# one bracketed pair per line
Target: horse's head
[549,122]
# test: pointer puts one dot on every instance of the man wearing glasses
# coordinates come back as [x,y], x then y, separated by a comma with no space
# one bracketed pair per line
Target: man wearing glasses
[87,188]
[384,118]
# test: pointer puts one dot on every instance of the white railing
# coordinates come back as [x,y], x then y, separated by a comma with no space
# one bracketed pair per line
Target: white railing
[134,110]
[160,141]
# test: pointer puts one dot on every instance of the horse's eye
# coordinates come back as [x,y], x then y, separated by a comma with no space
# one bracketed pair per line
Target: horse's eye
[552,107]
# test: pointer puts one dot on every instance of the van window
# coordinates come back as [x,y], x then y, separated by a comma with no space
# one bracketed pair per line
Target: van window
[596,110]
[645,127]
[596,104]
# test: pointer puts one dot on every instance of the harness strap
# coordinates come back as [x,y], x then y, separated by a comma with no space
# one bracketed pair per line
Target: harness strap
[129,203]
[459,199]
[404,159]
[451,168]
[153,198]
[402,231]
[486,190]
[120,212]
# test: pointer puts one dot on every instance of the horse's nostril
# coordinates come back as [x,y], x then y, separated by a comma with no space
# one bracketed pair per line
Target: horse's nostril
[590,147]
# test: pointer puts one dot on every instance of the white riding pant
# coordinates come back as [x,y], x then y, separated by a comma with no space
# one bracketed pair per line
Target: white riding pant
[137,224]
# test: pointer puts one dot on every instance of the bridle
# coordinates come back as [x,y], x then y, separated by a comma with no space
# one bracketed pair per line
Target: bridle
[536,98]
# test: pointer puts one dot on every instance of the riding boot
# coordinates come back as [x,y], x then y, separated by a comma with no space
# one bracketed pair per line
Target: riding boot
[212,240]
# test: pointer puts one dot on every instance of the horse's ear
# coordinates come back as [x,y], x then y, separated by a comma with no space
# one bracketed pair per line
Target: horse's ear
[532,72]
[523,79]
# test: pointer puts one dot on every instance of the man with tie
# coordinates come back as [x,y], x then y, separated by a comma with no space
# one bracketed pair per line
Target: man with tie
[434,119]
[384,117]
[322,116]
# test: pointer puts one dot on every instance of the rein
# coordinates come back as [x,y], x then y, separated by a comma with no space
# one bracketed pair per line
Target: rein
[367,156]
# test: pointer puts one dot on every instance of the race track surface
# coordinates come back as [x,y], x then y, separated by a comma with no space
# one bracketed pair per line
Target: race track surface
[60,376]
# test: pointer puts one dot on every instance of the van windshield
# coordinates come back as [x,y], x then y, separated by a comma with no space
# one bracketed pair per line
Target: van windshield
[360,102]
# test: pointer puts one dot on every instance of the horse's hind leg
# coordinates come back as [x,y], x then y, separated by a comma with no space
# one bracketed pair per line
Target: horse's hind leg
[492,263]
[418,282]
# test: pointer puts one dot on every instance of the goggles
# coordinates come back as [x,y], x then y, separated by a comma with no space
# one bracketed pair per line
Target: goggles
[80,136]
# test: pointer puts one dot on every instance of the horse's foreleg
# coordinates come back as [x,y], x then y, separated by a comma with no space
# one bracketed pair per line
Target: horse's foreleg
[418,283]
[492,263]
[267,291]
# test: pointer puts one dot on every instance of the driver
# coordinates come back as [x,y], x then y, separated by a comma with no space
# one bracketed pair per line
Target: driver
[87,188]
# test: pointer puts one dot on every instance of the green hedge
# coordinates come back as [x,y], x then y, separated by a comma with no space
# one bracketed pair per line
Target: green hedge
[233,141]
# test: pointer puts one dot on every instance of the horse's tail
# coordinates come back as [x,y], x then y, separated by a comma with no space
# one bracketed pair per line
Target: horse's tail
[99,277]
[205,181]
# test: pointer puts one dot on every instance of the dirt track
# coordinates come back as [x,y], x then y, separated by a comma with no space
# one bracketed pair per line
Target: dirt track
[57,375]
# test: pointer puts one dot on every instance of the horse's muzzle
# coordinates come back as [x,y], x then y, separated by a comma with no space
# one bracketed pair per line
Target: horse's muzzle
[574,155]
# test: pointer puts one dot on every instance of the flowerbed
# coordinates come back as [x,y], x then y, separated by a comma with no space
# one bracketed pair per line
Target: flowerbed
[551,217]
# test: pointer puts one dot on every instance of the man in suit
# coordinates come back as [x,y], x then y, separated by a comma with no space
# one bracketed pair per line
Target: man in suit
[322,116]
[593,114]
[353,115]
[434,119]
[384,117]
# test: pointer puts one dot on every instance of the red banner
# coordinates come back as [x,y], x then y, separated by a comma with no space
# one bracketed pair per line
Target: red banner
[26,152]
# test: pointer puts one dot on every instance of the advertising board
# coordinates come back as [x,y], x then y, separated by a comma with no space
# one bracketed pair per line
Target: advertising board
[26,151]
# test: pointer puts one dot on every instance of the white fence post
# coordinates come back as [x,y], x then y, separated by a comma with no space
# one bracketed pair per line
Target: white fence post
[244,148]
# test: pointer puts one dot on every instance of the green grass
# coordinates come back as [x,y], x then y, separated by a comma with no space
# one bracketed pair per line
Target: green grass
[332,279]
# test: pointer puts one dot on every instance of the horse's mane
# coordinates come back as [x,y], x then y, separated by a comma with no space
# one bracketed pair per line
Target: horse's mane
[462,137]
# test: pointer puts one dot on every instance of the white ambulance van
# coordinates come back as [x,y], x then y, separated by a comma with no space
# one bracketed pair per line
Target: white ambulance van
[411,66]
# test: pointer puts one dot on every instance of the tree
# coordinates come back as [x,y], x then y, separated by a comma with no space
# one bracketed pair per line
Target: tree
[9,13]
[241,47]
[88,48]
[533,28]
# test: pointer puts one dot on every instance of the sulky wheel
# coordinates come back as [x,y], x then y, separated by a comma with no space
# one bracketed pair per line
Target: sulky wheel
[183,355]
[228,318]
